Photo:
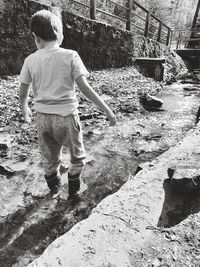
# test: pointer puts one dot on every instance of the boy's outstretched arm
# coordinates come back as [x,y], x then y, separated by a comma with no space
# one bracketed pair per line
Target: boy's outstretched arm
[23,99]
[87,90]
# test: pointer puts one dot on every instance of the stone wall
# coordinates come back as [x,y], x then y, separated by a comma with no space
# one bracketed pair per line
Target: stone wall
[16,41]
[100,45]
[2,7]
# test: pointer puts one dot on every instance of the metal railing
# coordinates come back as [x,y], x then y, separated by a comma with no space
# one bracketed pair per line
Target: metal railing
[132,16]
[185,38]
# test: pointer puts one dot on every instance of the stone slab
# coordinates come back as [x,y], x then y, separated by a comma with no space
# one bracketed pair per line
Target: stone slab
[149,60]
[121,224]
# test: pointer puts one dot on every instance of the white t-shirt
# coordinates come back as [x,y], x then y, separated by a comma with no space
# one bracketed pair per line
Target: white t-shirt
[53,72]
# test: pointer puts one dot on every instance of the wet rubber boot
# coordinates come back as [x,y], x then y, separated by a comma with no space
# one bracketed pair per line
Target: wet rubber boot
[53,183]
[73,187]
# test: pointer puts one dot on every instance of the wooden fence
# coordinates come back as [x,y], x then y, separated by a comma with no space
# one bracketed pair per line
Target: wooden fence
[136,18]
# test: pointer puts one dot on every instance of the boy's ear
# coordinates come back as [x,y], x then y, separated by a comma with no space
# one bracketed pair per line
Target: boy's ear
[37,38]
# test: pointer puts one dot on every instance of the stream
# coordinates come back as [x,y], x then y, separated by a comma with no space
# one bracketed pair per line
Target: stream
[30,219]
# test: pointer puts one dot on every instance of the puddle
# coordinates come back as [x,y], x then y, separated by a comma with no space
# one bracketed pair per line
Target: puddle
[173,102]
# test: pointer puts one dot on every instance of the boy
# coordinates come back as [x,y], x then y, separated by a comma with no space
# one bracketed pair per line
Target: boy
[53,71]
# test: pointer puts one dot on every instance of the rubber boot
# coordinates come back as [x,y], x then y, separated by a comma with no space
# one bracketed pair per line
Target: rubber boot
[53,183]
[73,186]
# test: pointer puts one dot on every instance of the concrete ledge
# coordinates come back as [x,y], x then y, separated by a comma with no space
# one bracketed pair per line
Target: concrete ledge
[151,67]
[123,223]
[149,60]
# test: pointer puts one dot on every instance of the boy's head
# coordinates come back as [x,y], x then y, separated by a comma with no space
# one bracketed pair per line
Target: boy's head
[47,26]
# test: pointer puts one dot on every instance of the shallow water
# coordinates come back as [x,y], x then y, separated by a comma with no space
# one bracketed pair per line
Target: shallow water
[33,220]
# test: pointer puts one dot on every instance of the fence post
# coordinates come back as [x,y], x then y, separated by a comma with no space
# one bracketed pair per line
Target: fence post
[171,39]
[159,31]
[168,36]
[178,41]
[129,11]
[93,9]
[148,18]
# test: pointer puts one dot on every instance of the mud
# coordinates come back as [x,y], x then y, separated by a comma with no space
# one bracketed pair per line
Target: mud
[31,219]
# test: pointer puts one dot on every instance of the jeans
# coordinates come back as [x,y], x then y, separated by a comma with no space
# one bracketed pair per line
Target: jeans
[56,131]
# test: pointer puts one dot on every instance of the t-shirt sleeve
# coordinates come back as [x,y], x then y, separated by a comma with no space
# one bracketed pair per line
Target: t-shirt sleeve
[25,76]
[78,68]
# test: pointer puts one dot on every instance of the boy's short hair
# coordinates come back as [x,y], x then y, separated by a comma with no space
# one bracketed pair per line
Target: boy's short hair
[46,25]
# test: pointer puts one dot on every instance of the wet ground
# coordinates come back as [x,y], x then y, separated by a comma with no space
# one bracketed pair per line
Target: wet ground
[31,219]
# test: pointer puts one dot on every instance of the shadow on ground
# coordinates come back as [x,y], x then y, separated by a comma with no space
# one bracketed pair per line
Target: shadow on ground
[182,198]
[30,230]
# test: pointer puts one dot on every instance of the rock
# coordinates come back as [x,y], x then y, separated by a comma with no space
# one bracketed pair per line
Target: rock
[152,137]
[105,97]
[86,117]
[5,140]
[190,88]
[128,108]
[184,75]
[151,103]
[156,263]
[168,83]
[6,171]
[18,166]
[191,81]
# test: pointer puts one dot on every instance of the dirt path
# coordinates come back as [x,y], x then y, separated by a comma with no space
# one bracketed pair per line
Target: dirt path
[30,219]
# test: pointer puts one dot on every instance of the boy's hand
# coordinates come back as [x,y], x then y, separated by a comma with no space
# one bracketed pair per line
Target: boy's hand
[27,114]
[112,119]
[23,99]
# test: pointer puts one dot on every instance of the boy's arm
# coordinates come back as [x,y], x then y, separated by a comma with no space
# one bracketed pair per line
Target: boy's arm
[23,99]
[87,90]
